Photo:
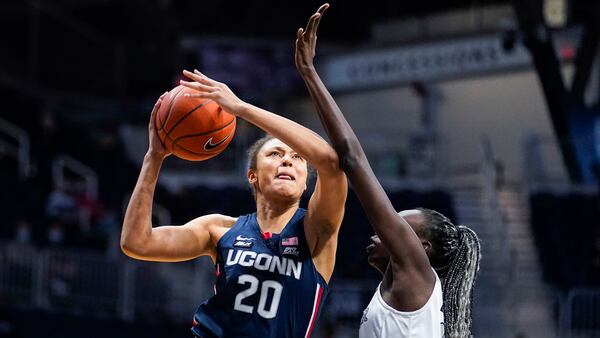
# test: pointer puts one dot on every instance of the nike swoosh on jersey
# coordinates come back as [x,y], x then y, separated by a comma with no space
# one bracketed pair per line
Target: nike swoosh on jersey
[208,146]
[240,238]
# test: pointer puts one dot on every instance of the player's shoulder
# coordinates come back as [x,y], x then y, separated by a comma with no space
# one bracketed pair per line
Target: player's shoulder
[215,220]
[224,220]
[216,225]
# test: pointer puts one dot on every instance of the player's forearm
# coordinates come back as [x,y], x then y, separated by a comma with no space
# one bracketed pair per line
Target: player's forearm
[378,208]
[307,143]
[137,225]
[342,137]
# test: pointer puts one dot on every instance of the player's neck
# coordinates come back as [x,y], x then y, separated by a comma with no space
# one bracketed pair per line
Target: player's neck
[273,217]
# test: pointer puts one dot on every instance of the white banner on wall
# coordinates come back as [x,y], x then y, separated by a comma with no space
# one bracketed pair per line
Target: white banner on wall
[421,62]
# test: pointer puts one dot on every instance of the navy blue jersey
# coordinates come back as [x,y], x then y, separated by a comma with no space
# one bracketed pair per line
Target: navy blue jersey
[267,285]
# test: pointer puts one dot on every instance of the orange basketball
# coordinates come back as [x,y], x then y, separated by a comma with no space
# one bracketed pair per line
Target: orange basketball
[194,129]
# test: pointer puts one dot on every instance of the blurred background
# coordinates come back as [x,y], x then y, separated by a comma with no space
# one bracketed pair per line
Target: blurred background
[487,111]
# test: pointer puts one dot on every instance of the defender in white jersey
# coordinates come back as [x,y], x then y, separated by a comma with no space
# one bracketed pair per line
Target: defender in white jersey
[453,252]
[408,245]
[381,320]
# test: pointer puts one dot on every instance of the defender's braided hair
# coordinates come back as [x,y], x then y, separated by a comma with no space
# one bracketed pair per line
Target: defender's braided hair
[455,256]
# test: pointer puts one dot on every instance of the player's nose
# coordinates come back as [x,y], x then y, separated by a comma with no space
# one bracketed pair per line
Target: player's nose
[286,161]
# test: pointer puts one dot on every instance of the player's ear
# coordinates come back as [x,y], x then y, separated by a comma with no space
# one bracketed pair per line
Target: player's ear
[252,177]
[426,246]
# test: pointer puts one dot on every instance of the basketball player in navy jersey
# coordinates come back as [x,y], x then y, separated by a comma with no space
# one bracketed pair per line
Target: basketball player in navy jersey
[413,249]
[272,266]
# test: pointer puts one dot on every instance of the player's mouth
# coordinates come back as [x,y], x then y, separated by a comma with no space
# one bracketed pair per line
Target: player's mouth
[286,177]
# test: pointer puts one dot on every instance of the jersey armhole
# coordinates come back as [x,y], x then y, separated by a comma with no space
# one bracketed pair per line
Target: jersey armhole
[240,220]
[430,300]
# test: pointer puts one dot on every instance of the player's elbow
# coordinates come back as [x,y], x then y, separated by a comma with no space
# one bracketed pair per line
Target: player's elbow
[134,251]
[350,154]
[328,161]
[127,247]
[131,247]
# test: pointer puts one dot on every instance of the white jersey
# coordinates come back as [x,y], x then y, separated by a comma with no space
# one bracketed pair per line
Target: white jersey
[380,320]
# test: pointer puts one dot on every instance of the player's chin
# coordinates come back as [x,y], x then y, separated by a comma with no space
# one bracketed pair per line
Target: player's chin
[288,193]
[372,260]
[371,257]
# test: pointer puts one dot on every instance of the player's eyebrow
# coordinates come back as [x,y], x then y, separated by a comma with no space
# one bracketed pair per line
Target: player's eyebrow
[279,148]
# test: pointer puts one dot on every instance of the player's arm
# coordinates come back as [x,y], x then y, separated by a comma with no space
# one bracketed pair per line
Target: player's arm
[166,243]
[396,235]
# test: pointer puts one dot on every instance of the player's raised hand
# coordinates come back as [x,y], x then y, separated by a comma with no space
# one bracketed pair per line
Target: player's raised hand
[210,89]
[306,41]
[155,146]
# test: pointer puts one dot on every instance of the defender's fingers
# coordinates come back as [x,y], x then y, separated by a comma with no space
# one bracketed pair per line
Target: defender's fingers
[310,29]
[321,10]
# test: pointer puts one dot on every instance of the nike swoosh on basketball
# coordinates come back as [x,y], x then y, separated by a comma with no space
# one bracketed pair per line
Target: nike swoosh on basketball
[240,238]
[208,146]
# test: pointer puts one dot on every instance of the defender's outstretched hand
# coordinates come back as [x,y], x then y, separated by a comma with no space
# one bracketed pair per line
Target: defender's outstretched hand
[306,41]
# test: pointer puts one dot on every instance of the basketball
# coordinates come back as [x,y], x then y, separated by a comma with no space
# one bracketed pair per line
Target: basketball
[193,129]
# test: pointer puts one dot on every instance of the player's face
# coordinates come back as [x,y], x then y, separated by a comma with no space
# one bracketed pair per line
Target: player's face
[280,171]
[378,255]
[416,220]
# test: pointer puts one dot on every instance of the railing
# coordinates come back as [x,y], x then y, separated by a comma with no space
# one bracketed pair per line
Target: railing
[492,209]
[542,161]
[68,281]
[19,280]
[65,281]
[19,151]
[71,281]
[483,176]
[74,282]
[63,162]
